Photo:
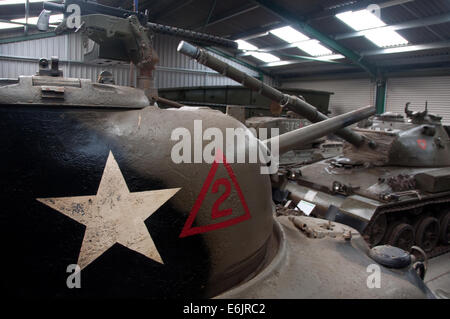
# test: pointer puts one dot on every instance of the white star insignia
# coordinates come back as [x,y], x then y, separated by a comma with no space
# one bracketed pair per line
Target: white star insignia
[112,216]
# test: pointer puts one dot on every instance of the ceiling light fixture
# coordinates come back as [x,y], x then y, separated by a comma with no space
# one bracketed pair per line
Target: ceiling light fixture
[375,29]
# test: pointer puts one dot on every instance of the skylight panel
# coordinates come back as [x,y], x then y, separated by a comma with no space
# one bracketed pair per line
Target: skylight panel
[244,45]
[263,56]
[360,20]
[314,48]
[289,34]
[56,18]
[4,25]
[304,43]
[385,38]
[365,20]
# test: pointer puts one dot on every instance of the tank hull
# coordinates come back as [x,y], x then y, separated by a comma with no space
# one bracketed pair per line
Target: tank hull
[330,262]
[366,196]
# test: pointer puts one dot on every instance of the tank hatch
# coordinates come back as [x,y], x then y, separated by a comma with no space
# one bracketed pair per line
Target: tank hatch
[49,87]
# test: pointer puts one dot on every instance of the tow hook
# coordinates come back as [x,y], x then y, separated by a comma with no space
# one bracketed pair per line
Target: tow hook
[419,266]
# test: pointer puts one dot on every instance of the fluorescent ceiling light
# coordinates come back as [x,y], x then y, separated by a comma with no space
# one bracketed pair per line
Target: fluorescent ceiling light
[265,57]
[314,48]
[365,20]
[385,38]
[360,20]
[400,49]
[289,34]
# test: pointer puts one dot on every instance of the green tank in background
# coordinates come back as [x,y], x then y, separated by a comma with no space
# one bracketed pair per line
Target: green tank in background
[396,192]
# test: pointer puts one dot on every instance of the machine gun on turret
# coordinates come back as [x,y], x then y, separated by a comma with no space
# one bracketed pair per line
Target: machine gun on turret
[120,35]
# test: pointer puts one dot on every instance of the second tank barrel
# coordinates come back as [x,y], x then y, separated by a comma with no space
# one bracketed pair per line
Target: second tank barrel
[291,102]
[293,139]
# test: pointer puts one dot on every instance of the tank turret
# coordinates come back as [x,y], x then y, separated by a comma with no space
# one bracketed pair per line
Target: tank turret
[397,192]
[420,140]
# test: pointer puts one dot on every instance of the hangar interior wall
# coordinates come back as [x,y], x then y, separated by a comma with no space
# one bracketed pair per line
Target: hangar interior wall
[173,70]
[417,90]
[348,94]
[351,94]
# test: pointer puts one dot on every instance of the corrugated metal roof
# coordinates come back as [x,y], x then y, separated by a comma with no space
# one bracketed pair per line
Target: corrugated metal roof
[195,13]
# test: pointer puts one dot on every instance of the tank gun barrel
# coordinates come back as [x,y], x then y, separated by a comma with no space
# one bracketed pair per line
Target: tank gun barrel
[90,7]
[293,139]
[293,103]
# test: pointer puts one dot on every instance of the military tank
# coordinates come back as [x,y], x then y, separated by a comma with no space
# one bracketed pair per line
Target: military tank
[101,199]
[395,192]
[392,183]
[95,205]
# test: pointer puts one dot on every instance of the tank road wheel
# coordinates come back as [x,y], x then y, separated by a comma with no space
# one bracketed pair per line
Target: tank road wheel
[402,236]
[427,233]
[445,228]
[378,230]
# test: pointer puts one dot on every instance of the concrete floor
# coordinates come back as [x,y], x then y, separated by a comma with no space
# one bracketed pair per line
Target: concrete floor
[438,276]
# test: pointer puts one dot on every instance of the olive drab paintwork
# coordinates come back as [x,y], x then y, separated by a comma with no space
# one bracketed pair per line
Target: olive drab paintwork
[76,174]
[88,178]
[397,192]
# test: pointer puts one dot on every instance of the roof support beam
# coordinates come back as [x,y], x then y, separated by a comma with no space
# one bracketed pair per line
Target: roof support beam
[169,9]
[295,22]
[257,32]
[226,16]
[400,26]
[321,15]
[34,36]
[408,48]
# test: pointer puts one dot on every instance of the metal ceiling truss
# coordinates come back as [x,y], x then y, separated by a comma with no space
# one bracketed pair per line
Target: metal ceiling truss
[417,23]
[302,26]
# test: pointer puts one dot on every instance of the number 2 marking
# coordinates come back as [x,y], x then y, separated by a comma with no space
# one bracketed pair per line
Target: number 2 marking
[216,213]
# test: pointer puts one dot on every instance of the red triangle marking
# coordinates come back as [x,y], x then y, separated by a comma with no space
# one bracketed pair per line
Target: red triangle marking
[422,144]
[188,230]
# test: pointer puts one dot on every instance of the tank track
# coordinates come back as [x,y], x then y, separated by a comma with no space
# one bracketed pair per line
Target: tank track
[410,213]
